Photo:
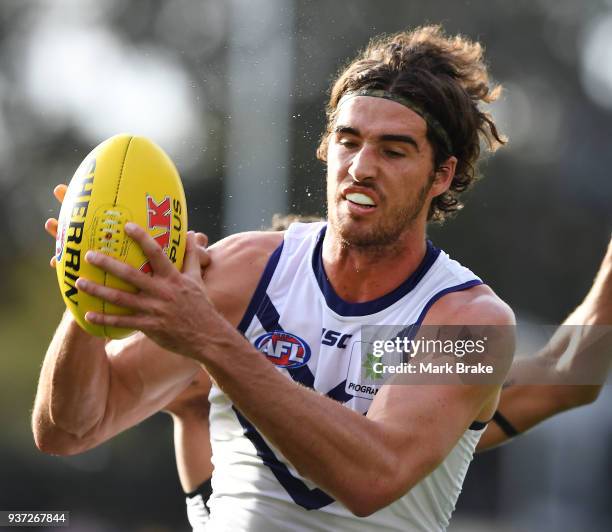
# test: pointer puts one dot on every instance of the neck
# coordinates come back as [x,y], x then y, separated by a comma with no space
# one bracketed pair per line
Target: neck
[364,274]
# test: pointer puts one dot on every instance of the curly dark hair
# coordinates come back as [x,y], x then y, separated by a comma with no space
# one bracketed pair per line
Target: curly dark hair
[448,78]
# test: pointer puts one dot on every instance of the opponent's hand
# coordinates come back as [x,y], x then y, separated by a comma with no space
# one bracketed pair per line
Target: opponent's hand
[170,307]
[51,224]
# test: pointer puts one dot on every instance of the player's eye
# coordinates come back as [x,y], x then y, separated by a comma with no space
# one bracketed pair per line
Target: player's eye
[346,143]
[393,154]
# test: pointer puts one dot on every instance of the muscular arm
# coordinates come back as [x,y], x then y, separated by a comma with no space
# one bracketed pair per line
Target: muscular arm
[570,350]
[48,424]
[364,462]
[90,390]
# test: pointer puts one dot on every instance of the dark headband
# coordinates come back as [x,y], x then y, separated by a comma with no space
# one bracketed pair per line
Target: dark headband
[430,120]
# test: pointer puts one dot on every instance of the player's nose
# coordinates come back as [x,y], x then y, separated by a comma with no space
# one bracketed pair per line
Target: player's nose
[364,164]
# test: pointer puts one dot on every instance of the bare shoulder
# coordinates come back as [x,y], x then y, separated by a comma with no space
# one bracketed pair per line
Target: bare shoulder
[478,305]
[237,263]
[243,255]
[479,314]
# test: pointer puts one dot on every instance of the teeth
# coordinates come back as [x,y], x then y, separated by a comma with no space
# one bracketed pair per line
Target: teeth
[360,199]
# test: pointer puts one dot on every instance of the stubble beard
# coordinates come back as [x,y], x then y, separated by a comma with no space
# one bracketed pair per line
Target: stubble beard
[384,236]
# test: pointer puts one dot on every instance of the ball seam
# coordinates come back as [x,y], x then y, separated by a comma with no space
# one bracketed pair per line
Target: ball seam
[127,148]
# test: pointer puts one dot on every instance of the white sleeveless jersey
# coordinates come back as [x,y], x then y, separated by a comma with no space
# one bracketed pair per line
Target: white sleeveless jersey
[297,320]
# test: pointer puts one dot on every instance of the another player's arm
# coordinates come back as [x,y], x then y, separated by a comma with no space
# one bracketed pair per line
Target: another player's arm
[90,390]
[192,448]
[569,350]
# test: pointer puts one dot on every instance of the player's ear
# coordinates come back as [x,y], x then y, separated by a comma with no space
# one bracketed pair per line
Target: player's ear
[322,149]
[444,176]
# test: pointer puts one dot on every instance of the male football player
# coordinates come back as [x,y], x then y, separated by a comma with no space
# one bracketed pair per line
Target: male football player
[292,442]
[523,406]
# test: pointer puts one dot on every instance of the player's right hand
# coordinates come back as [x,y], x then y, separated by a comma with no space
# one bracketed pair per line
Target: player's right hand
[51,224]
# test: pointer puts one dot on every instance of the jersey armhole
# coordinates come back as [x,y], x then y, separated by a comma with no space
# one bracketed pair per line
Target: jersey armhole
[262,286]
[476,425]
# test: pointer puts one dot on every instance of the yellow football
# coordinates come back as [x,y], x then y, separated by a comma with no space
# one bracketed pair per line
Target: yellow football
[124,179]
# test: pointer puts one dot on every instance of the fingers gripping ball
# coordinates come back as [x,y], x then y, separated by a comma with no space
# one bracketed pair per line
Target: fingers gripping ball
[126,178]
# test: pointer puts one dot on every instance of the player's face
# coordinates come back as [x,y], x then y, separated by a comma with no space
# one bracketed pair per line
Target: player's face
[380,177]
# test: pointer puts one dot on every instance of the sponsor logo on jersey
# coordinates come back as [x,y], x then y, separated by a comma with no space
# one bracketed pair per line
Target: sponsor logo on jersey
[361,390]
[358,383]
[284,349]
[335,338]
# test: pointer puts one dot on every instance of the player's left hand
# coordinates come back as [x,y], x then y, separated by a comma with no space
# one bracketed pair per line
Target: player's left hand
[170,307]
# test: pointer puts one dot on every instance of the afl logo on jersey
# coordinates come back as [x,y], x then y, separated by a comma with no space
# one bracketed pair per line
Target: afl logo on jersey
[284,349]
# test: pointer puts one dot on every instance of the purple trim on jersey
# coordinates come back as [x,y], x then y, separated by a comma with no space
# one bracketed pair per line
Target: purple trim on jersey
[338,393]
[267,314]
[260,291]
[303,375]
[307,498]
[339,306]
[261,306]
[476,425]
[310,499]
[435,297]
